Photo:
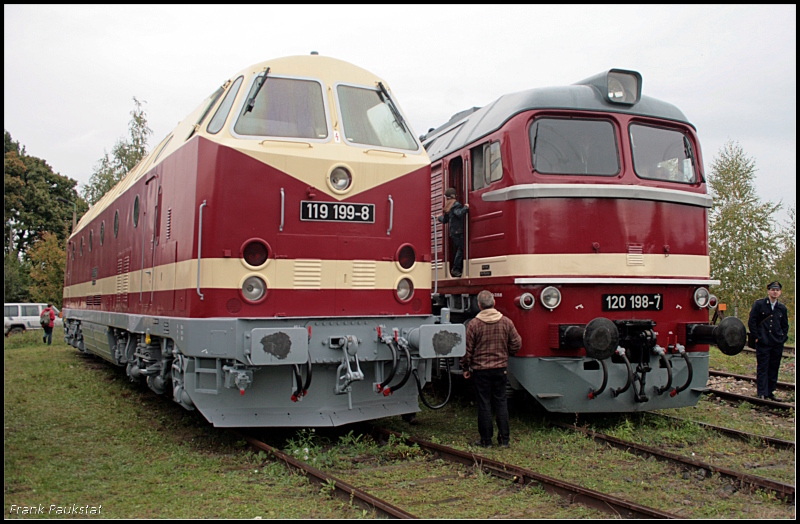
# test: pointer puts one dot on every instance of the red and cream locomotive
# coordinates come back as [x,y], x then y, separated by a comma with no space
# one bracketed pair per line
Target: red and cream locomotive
[587,220]
[276,232]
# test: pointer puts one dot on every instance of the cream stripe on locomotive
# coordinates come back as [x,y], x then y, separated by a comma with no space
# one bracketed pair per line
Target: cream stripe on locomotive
[229,273]
[606,264]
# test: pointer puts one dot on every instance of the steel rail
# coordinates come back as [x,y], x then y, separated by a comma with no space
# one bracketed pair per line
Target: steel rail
[742,435]
[753,400]
[342,489]
[572,492]
[781,490]
[781,385]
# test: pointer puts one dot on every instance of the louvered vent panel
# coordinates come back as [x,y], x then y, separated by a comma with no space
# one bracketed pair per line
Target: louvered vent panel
[635,255]
[307,274]
[364,274]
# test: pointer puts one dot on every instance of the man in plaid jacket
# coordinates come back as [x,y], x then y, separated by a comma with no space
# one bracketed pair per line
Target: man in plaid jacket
[491,338]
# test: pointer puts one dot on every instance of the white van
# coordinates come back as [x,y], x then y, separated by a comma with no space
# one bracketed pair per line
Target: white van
[20,317]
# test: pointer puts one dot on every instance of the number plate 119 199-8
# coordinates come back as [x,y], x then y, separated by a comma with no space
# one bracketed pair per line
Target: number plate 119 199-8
[633,302]
[337,212]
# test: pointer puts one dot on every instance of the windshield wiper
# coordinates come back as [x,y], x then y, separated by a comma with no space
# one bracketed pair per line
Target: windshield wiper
[390,103]
[251,103]
[533,150]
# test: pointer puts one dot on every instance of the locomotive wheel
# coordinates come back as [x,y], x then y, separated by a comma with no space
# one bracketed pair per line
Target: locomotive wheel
[601,338]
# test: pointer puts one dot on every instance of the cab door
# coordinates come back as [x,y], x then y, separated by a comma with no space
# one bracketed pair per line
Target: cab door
[149,239]
[456,178]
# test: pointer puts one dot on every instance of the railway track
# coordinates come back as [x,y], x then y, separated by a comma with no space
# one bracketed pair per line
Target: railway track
[786,492]
[735,433]
[780,408]
[613,506]
[574,493]
[783,386]
[341,489]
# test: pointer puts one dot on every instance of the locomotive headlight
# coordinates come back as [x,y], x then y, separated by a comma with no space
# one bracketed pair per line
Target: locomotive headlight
[254,288]
[525,301]
[550,297]
[624,87]
[701,297]
[340,179]
[712,301]
[405,289]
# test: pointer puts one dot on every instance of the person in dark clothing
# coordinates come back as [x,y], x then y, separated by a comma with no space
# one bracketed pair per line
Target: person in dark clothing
[48,328]
[454,213]
[491,338]
[769,324]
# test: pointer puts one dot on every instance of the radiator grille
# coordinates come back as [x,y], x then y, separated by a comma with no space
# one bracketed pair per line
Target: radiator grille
[364,274]
[307,274]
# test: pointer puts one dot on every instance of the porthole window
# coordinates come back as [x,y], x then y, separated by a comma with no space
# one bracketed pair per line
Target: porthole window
[116,223]
[102,231]
[136,212]
[90,240]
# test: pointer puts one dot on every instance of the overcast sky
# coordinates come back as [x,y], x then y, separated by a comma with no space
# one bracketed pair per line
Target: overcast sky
[71,71]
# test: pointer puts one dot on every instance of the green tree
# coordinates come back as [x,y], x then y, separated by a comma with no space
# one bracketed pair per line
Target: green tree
[16,278]
[48,260]
[742,239]
[785,269]
[125,154]
[31,199]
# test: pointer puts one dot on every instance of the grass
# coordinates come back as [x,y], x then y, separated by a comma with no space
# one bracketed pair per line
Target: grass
[77,432]
[745,364]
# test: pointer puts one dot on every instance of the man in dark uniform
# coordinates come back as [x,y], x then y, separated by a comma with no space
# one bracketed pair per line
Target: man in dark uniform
[454,213]
[769,324]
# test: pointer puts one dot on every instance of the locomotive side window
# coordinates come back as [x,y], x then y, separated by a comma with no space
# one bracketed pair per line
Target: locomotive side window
[284,107]
[487,165]
[116,224]
[102,231]
[224,108]
[574,147]
[136,212]
[370,118]
[662,154]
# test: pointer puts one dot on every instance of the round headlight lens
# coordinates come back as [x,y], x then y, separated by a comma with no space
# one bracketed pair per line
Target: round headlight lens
[405,289]
[701,296]
[551,297]
[254,288]
[526,301]
[255,254]
[341,179]
[712,301]
[406,257]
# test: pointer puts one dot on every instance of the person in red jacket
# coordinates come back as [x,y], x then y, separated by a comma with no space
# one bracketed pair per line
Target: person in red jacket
[491,338]
[48,328]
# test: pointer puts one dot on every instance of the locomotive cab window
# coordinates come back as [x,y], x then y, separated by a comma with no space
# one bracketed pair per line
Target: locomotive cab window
[662,154]
[370,117]
[574,147]
[487,165]
[283,107]
[221,115]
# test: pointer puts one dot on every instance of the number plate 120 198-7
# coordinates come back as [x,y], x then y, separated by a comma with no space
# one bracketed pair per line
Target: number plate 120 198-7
[633,302]
[337,212]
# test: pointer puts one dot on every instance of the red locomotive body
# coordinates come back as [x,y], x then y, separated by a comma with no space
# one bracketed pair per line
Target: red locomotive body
[277,229]
[588,221]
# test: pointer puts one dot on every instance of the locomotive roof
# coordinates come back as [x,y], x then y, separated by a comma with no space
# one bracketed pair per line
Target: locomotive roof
[324,68]
[472,124]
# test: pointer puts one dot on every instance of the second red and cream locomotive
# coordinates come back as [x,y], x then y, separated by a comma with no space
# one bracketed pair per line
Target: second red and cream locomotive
[587,219]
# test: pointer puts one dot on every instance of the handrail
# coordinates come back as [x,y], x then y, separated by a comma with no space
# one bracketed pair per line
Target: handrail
[283,201]
[391,214]
[200,246]
[435,256]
